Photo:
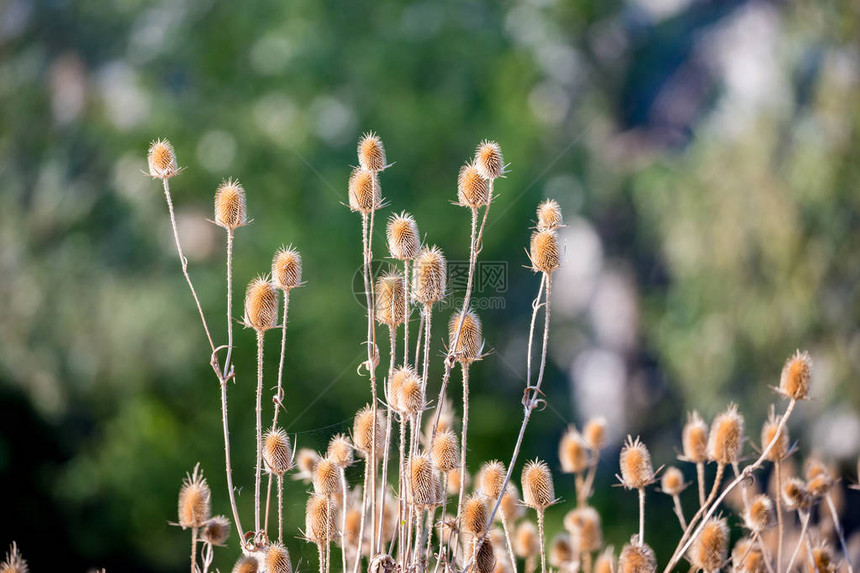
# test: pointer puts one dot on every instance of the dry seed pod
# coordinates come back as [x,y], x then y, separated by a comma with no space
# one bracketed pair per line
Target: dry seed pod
[382,563]
[636,558]
[526,541]
[400,376]
[278,559]
[430,276]
[470,344]
[446,451]
[391,299]
[362,431]
[747,557]
[549,215]
[488,160]
[14,562]
[340,451]
[194,500]
[472,189]
[230,209]
[474,514]
[794,494]
[306,461]
[672,482]
[695,439]
[454,481]
[822,558]
[727,435]
[261,305]
[421,481]
[545,254]
[636,468]
[161,159]
[605,562]
[511,504]
[583,523]
[594,432]
[287,268]
[246,564]
[780,449]
[403,238]
[319,519]
[277,452]
[794,380]
[365,194]
[759,513]
[485,557]
[353,526]
[371,153]
[538,490]
[492,478]
[326,478]
[711,546]
[560,551]
[573,452]
[410,396]
[818,478]
[216,530]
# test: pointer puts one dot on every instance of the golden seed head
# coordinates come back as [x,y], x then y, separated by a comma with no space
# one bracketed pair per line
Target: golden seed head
[573,452]
[759,513]
[780,449]
[363,429]
[605,562]
[636,558]
[194,500]
[261,304]
[446,451]
[594,432]
[277,452]
[711,546]
[583,523]
[430,276]
[246,564]
[421,481]
[560,551]
[472,189]
[492,478]
[747,557]
[161,159]
[474,514]
[636,468]
[287,268]
[326,478]
[403,238]
[695,439]
[340,451]
[278,559]
[320,519]
[306,461]
[727,436]
[470,344]
[365,194]
[818,478]
[485,557]
[371,153]
[410,396]
[794,380]
[549,215]
[400,376]
[488,160]
[216,530]
[794,494]
[14,562]
[391,299]
[538,490]
[545,254]
[353,526]
[526,541]
[511,504]
[230,209]
[672,482]
[822,557]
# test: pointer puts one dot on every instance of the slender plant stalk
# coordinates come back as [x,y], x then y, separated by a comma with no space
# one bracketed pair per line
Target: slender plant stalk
[700,479]
[764,552]
[428,528]
[718,480]
[406,314]
[392,338]
[839,533]
[281,509]
[268,501]
[279,393]
[510,545]
[328,519]
[322,557]
[367,237]
[428,323]
[542,542]
[401,489]
[229,300]
[343,487]
[193,550]
[418,339]
[679,511]
[744,492]
[641,516]
[442,528]
[778,469]
[363,513]
[804,522]
[586,562]
[464,367]
[259,411]
[592,472]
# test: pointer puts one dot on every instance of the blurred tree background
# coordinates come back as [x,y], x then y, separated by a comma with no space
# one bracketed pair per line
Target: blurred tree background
[705,154]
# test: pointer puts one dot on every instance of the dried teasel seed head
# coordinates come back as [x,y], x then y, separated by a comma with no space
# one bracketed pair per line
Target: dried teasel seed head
[306,461]
[759,513]
[363,429]
[340,451]
[672,482]
[277,452]
[549,215]
[492,479]
[526,541]
[510,505]
[365,194]
[488,160]
[261,305]
[560,551]
[194,500]
[421,482]
[371,153]
[544,253]
[382,563]
[353,526]
[326,478]
[818,478]
[474,514]
[319,519]
[391,299]
[727,436]
[161,159]
[278,559]
[594,432]
[573,452]
[430,276]
[636,468]
[794,380]
[779,451]
[246,564]
[637,558]
[446,451]
[794,494]
[470,344]
[711,546]
[747,557]
[485,557]
[605,562]
[695,439]
[14,562]
[400,376]
[230,209]
[472,188]
[583,523]
[410,396]
[822,559]
[538,490]
[216,530]
[287,268]
[403,238]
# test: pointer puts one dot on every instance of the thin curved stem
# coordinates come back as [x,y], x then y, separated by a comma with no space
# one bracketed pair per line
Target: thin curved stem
[777,468]
[764,552]
[508,540]
[679,511]
[358,549]
[343,487]
[464,367]
[839,533]
[700,479]
[259,434]
[279,393]
[428,323]
[542,542]
[281,509]
[804,522]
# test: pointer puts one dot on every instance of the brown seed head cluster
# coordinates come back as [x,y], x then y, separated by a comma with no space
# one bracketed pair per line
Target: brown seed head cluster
[711,546]
[340,451]
[485,557]
[818,478]
[637,558]
[474,514]
[594,432]
[695,439]
[488,160]
[398,379]
[246,564]
[422,481]
[410,395]
[326,478]
[526,541]
[759,513]
[261,305]
[403,239]
[230,209]
[194,500]
[727,435]
[365,194]
[822,558]
[492,478]
[391,299]
[430,276]
[794,380]
[583,523]
[216,530]
[779,451]
[319,519]
[672,482]
[306,461]
[538,489]
[472,189]
[363,429]
[278,559]
[573,452]
[545,254]
[446,451]
[161,159]
[470,343]
[371,153]
[277,452]
[795,495]
[287,268]
[636,468]
[549,215]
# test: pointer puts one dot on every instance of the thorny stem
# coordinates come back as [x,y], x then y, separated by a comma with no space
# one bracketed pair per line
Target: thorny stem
[328,520]
[363,513]
[428,323]
[280,509]
[401,491]
[804,521]
[229,301]
[406,313]
[268,503]
[464,367]
[442,528]
[839,533]
[418,339]
[542,542]
[227,463]
[343,487]
[259,410]
[641,516]
[679,511]
[367,237]
[392,338]
[700,478]
[536,304]
[322,557]
[508,539]
[279,393]
[193,550]
[778,496]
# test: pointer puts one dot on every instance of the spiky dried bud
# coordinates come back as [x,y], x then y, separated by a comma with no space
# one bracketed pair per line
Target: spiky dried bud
[488,160]
[605,562]
[485,557]
[391,299]
[818,478]
[573,452]
[230,209]
[410,395]
[216,530]
[194,500]
[794,494]
[446,451]
[161,159]
[768,431]
[549,215]
[759,513]
[672,482]
[14,562]
[711,546]
[246,564]
[287,268]
[594,432]
[340,451]
[430,276]
[363,429]
[583,523]
[560,551]
[326,478]
[421,481]
[747,557]
[403,238]
[526,541]
[371,153]
[538,489]
[637,558]
[636,468]
[400,376]
[470,344]
[278,559]
[695,439]
[474,514]
[382,563]
[319,519]
[472,189]
[727,436]
[492,478]
[544,253]
[261,305]
[365,194]
[306,461]
[277,452]
[822,559]
[796,373]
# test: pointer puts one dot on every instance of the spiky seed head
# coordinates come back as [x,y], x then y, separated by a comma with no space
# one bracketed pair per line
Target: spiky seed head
[727,436]
[340,451]
[421,481]
[261,304]
[818,478]
[441,495]
[353,526]
[759,513]
[319,518]
[403,238]
[371,153]
[488,160]
[472,189]
[14,562]
[278,559]
[637,558]
[277,452]
[538,489]
[794,494]
[446,451]
[485,557]
[430,276]
[287,268]
[216,530]
[711,546]
[474,514]
[747,557]
[780,449]
[194,499]
[363,428]
[822,557]
[246,564]
[695,439]
[365,194]
[544,253]
[526,540]
[672,482]
[492,478]
[605,562]
[586,533]
[636,468]
[560,551]
[230,209]
[594,432]
[391,299]
[382,563]
[395,390]
[306,461]
[470,344]
[326,478]
[410,396]
[796,373]
[573,452]
[161,159]
[549,215]
[511,503]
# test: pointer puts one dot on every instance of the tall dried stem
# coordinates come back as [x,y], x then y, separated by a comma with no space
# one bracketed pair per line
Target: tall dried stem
[392,339]
[194,532]
[259,434]
[777,468]
[804,523]
[279,393]
[510,545]
[839,533]
[540,513]
[700,480]
[464,367]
